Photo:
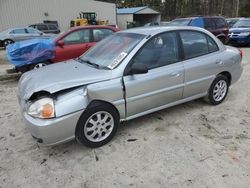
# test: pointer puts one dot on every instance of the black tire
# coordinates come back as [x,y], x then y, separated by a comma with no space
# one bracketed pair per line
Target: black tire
[86,116]
[36,65]
[210,98]
[6,42]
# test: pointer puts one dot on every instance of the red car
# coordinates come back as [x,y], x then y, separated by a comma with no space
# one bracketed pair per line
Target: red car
[78,40]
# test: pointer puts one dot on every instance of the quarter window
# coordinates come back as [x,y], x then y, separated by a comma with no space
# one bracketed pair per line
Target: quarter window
[77,37]
[159,51]
[212,46]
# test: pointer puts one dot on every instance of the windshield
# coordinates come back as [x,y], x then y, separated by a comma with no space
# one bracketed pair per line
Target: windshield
[110,52]
[179,22]
[242,24]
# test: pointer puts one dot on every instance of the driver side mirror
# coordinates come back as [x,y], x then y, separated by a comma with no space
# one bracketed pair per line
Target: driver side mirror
[138,68]
[60,43]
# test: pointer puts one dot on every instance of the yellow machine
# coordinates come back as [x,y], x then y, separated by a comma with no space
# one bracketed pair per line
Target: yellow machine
[78,22]
[87,18]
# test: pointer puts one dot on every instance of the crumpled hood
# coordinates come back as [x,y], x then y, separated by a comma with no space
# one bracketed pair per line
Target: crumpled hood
[239,30]
[60,76]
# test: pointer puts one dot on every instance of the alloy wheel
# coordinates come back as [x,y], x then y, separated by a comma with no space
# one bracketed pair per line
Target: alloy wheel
[220,90]
[99,126]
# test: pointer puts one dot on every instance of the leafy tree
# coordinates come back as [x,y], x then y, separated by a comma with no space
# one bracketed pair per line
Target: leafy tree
[245,11]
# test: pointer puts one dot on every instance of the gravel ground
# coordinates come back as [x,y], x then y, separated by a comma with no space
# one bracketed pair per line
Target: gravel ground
[190,145]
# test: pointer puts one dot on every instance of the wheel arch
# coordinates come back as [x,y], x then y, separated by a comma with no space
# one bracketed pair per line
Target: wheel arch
[94,104]
[98,102]
[228,75]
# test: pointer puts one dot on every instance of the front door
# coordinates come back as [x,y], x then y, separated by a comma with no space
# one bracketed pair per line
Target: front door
[75,44]
[163,84]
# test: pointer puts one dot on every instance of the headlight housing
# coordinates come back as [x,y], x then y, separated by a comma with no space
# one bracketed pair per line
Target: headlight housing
[43,108]
[245,34]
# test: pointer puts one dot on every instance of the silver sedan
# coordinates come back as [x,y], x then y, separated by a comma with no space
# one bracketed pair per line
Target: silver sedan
[20,33]
[129,74]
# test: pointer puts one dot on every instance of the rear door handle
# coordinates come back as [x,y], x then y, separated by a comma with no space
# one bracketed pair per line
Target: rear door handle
[219,62]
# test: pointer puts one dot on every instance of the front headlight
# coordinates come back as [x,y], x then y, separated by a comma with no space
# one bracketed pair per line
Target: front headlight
[245,34]
[42,108]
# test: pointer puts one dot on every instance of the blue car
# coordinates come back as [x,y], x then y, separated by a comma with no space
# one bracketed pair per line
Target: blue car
[239,34]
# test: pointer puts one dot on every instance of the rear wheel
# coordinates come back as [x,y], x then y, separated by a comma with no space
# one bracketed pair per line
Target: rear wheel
[7,42]
[97,125]
[218,90]
[39,65]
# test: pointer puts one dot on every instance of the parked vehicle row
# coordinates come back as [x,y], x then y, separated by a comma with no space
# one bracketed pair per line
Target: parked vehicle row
[215,24]
[127,75]
[68,45]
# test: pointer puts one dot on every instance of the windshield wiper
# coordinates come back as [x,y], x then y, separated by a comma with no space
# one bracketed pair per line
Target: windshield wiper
[88,62]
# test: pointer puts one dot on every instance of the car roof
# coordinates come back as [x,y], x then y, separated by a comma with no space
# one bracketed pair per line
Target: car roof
[92,27]
[195,17]
[86,27]
[154,30]
[244,19]
[44,24]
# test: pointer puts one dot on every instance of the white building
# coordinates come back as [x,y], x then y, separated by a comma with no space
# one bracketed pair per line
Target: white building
[138,15]
[25,12]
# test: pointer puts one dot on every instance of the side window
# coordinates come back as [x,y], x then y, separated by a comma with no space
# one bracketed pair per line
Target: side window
[42,27]
[18,31]
[33,31]
[77,37]
[220,23]
[159,51]
[99,34]
[194,44]
[52,27]
[209,23]
[212,46]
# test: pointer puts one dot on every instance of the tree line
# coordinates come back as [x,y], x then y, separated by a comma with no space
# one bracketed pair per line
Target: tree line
[170,9]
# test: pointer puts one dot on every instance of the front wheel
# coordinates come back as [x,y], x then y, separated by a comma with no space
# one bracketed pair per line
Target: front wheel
[97,126]
[218,90]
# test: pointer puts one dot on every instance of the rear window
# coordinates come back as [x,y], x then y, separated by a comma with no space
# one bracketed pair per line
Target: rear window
[180,22]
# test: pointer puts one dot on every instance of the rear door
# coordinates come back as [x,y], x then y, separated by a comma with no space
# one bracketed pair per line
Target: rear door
[33,33]
[163,84]
[75,44]
[201,62]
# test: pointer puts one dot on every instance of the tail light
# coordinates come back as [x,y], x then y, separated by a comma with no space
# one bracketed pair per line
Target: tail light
[241,53]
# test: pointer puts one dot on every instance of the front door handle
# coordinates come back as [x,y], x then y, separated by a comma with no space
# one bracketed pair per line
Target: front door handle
[175,74]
